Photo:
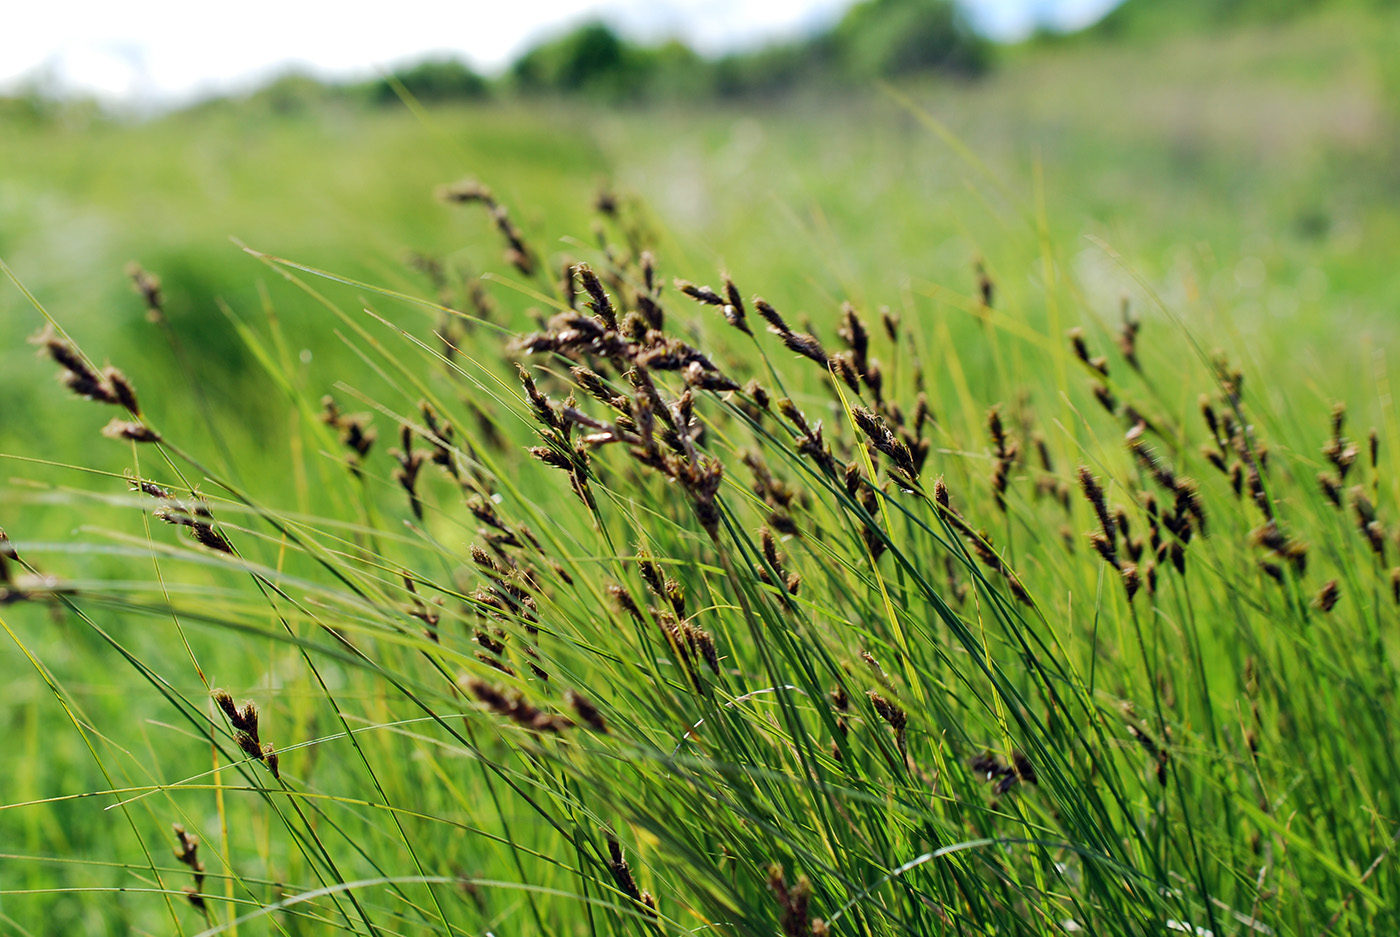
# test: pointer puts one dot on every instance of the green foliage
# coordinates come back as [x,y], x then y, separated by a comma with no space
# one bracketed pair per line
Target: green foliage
[885,38]
[432,80]
[876,39]
[592,59]
[1155,19]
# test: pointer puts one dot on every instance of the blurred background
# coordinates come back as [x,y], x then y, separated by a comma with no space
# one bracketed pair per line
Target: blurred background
[1235,159]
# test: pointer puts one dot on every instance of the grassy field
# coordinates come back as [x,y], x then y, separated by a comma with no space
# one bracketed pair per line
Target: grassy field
[951,626]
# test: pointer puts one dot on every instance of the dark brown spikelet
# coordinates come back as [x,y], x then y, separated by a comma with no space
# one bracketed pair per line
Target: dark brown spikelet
[193,513]
[890,321]
[76,374]
[211,538]
[1104,548]
[894,715]
[244,722]
[1001,776]
[1328,596]
[675,594]
[598,299]
[592,384]
[355,432]
[1212,421]
[624,601]
[651,572]
[270,759]
[518,255]
[1004,454]
[410,463]
[513,706]
[467,190]
[793,902]
[852,331]
[621,871]
[539,403]
[702,643]
[1368,522]
[985,286]
[1132,580]
[884,440]
[1157,753]
[842,366]
[701,294]
[567,285]
[1105,397]
[1095,495]
[187,852]
[1331,487]
[1275,541]
[1395,585]
[130,430]
[587,713]
[147,286]
[1341,452]
[122,389]
[806,345]
[771,316]
[1081,351]
[734,310]
[1127,337]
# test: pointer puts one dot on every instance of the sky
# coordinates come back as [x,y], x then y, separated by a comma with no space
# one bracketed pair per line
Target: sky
[168,51]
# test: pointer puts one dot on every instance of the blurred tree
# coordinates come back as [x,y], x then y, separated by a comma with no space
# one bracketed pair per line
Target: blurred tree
[885,38]
[593,59]
[432,80]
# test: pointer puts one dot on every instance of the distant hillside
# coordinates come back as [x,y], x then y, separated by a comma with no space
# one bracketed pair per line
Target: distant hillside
[1155,18]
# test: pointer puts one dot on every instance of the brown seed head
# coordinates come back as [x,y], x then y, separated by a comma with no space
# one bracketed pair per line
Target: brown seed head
[1328,596]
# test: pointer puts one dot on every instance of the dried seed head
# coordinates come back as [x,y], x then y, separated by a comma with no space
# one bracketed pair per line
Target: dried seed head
[1127,337]
[511,705]
[1328,596]
[622,873]
[771,316]
[1105,397]
[734,309]
[985,286]
[586,711]
[842,364]
[1331,487]
[1132,581]
[77,375]
[123,391]
[269,758]
[675,594]
[624,601]
[1081,351]
[701,294]
[806,345]
[467,190]
[890,321]
[1095,495]
[891,712]
[598,297]
[852,331]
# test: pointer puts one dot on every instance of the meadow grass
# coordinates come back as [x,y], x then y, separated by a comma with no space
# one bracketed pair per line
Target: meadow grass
[986,597]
